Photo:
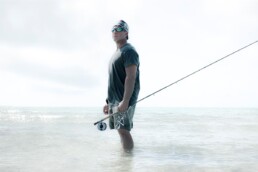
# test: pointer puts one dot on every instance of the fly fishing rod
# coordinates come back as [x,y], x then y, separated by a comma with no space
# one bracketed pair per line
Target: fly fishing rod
[102,126]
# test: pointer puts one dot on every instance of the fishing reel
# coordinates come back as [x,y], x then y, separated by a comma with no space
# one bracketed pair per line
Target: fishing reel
[102,126]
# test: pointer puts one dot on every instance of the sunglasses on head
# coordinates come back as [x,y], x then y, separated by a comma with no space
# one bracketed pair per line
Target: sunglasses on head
[118,29]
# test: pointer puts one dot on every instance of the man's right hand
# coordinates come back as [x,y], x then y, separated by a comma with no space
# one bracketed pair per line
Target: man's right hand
[105,109]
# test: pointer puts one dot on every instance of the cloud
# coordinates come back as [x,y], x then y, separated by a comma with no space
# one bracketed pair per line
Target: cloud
[55,66]
[60,24]
[62,47]
[47,23]
[73,76]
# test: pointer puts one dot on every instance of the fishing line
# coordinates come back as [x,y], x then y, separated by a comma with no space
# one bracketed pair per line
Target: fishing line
[240,49]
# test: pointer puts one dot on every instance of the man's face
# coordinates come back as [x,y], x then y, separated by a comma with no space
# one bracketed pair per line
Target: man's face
[118,34]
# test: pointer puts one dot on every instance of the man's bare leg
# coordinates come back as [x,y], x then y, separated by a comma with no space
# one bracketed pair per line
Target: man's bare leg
[126,139]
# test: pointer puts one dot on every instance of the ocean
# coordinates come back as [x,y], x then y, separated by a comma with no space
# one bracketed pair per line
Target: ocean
[59,139]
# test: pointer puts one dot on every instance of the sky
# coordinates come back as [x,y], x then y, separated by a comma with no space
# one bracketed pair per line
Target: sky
[56,52]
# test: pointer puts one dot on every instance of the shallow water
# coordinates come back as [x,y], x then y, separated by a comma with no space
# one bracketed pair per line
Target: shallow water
[166,139]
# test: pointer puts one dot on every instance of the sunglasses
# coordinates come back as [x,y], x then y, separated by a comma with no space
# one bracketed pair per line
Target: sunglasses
[118,29]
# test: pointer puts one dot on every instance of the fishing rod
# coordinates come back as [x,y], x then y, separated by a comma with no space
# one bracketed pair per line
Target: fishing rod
[102,126]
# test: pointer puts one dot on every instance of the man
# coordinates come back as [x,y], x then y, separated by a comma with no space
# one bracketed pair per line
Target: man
[123,85]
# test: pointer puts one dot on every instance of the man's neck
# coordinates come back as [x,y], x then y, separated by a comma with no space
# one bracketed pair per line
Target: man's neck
[121,43]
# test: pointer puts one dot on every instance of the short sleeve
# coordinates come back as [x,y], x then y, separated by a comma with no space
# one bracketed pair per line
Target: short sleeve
[131,58]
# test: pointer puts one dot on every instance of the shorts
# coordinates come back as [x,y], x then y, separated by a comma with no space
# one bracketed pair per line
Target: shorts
[123,120]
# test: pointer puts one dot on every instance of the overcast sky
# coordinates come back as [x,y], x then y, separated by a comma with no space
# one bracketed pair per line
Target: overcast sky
[56,52]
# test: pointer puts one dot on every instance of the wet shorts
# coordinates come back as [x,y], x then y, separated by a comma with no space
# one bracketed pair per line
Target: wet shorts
[123,120]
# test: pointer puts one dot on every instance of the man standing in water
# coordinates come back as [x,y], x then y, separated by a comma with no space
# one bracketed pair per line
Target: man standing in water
[123,85]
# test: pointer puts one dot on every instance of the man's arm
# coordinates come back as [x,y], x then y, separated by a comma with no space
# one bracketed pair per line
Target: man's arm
[129,87]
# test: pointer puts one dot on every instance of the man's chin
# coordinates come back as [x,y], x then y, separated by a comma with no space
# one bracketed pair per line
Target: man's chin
[115,39]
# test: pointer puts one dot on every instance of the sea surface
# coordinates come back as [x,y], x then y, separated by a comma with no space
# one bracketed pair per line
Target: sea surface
[37,139]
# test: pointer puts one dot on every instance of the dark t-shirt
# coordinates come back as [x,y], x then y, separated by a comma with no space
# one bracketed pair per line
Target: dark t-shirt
[121,59]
